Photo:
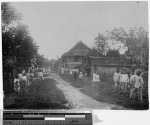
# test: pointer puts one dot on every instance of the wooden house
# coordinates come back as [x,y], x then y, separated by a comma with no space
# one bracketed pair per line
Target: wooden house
[106,65]
[75,56]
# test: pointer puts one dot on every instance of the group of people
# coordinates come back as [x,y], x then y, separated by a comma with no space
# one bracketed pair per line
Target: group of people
[25,78]
[132,83]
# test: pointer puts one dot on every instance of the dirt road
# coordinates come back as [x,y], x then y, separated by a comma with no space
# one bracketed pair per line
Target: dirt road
[77,99]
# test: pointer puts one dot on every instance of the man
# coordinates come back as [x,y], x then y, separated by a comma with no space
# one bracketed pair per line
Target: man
[138,86]
[116,78]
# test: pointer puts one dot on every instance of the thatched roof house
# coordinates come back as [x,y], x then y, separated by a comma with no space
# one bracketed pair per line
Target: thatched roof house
[75,55]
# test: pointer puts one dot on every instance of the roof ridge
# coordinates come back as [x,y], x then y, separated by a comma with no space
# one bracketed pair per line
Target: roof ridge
[102,57]
[77,45]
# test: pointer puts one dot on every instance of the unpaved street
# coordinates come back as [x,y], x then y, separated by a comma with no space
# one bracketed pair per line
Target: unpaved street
[54,93]
[77,99]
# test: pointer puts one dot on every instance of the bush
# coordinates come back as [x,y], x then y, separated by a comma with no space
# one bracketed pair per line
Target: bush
[105,77]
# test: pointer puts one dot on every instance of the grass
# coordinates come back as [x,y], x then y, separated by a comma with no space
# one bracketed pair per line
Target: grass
[43,95]
[104,91]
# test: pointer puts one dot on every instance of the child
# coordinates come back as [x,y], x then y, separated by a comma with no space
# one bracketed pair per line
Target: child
[16,84]
[116,78]
[138,86]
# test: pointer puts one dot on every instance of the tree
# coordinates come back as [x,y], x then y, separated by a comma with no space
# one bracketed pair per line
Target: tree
[9,15]
[18,46]
[94,52]
[40,60]
[101,44]
[136,42]
[25,48]
[113,53]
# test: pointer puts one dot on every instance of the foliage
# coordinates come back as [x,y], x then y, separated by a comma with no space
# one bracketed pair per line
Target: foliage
[113,53]
[9,15]
[41,61]
[101,44]
[136,42]
[18,46]
[94,52]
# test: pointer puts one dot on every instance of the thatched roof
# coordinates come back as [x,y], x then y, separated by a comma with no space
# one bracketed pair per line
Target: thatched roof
[80,49]
[107,61]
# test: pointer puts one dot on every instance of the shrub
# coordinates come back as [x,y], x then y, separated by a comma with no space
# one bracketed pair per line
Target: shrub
[105,76]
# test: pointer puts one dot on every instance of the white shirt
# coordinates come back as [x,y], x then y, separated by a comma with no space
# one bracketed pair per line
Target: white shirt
[40,74]
[16,80]
[116,77]
[132,78]
[124,78]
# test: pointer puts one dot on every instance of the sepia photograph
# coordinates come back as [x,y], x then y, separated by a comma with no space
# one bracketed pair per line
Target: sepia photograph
[77,55]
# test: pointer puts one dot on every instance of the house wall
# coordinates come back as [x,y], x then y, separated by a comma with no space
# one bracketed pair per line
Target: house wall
[103,69]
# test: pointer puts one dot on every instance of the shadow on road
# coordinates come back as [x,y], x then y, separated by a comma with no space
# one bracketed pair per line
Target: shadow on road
[43,95]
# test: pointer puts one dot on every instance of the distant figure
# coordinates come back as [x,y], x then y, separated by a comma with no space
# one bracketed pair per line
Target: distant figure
[116,78]
[24,81]
[28,78]
[40,74]
[16,84]
[121,81]
[80,75]
[23,71]
[62,70]
[86,74]
[138,86]
[31,75]
[126,82]
[75,75]
[132,80]
[43,69]
[96,77]
[70,71]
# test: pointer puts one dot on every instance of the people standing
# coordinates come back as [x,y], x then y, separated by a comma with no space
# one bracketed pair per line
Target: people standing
[132,80]
[116,78]
[126,82]
[80,75]
[138,86]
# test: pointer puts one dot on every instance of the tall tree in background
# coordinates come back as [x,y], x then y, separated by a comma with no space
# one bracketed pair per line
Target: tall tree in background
[9,16]
[136,42]
[101,44]
[41,61]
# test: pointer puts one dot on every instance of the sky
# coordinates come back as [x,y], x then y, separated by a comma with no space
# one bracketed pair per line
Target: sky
[57,26]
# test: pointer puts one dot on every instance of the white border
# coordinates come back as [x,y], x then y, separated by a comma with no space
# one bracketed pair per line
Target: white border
[107,117]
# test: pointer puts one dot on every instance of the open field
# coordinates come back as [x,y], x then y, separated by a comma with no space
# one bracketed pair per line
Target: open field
[104,92]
